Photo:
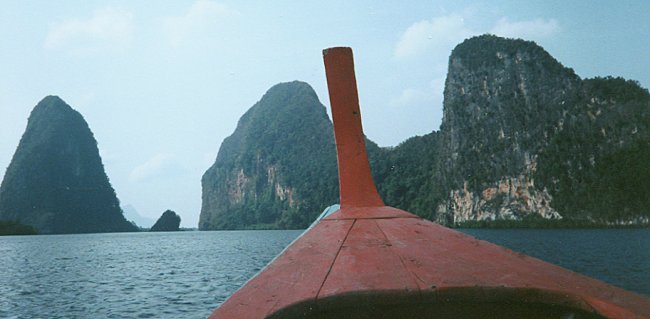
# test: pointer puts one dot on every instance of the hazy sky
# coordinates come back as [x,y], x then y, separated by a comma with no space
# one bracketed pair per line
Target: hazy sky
[162,83]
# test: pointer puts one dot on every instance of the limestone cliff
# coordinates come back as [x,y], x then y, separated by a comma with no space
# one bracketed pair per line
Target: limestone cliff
[56,181]
[278,169]
[522,135]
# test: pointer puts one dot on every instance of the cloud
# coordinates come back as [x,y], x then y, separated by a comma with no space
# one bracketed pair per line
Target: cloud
[109,29]
[160,165]
[202,16]
[533,29]
[440,34]
[437,32]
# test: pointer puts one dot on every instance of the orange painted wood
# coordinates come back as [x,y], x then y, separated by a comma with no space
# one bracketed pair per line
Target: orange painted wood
[442,258]
[367,263]
[296,275]
[355,181]
[377,212]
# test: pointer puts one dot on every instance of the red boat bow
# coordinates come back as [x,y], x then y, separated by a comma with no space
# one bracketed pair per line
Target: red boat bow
[367,260]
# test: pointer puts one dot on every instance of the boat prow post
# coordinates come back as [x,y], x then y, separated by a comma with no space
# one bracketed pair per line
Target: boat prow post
[357,188]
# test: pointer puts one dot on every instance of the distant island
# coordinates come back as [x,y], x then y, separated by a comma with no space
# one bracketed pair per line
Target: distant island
[168,221]
[524,142]
[56,181]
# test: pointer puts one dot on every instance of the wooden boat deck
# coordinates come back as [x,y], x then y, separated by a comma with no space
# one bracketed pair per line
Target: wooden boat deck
[404,265]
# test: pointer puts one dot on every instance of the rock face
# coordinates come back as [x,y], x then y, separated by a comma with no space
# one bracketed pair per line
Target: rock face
[522,135]
[56,181]
[277,169]
[502,100]
[168,221]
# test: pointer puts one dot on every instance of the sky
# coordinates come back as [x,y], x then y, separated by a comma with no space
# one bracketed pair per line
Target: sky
[162,83]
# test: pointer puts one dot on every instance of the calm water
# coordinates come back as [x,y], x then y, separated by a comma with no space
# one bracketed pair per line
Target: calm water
[188,274]
[130,275]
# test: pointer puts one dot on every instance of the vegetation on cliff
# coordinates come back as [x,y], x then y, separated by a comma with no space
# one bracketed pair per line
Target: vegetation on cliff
[278,167]
[56,181]
[520,125]
[596,167]
[404,174]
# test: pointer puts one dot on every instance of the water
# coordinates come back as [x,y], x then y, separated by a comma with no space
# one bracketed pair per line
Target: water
[188,274]
[130,275]
[617,256]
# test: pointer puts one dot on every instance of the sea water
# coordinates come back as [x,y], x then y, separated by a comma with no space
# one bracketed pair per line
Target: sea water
[188,274]
[130,275]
